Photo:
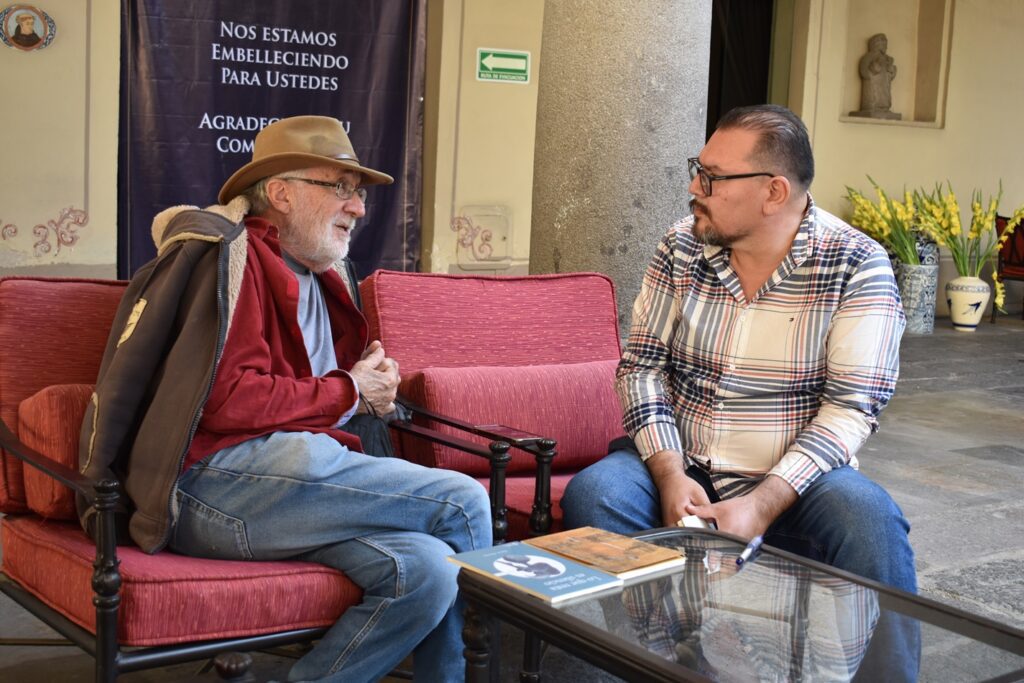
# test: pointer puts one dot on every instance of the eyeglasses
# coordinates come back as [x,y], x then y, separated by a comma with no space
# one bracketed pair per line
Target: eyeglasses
[342,188]
[705,178]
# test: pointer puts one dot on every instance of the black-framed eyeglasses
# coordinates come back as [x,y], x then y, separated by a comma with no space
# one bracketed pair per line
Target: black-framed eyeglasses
[696,169]
[342,188]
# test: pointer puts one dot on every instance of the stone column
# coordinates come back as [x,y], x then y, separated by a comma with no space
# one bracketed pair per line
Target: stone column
[622,103]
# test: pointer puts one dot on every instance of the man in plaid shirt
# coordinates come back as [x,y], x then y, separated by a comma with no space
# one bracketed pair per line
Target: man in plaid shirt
[764,344]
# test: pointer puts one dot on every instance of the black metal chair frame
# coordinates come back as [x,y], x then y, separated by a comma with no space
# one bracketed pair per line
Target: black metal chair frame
[111,659]
[497,453]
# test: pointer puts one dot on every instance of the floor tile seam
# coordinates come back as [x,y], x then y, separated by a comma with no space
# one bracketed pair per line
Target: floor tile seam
[972,394]
[971,604]
[997,506]
[974,563]
[949,458]
[944,466]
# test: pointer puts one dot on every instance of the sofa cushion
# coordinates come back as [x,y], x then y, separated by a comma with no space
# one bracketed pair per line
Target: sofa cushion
[49,421]
[52,331]
[168,598]
[574,404]
[439,320]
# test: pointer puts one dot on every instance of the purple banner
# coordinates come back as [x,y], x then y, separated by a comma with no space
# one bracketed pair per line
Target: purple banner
[199,79]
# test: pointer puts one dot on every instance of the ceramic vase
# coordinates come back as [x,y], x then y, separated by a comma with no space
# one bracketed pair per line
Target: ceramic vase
[967,297]
[918,285]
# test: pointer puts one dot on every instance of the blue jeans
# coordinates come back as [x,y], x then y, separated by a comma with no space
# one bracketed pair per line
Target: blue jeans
[843,519]
[388,524]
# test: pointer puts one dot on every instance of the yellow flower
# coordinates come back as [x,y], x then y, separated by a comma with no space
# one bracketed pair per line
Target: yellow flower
[1000,292]
[953,213]
[887,220]
[1011,225]
[977,219]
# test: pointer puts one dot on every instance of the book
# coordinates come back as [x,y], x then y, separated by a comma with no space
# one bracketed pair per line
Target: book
[552,578]
[618,555]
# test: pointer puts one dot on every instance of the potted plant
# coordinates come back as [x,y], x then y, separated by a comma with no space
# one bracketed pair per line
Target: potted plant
[971,250]
[891,223]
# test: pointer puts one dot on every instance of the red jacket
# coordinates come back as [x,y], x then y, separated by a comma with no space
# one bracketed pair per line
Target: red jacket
[263,382]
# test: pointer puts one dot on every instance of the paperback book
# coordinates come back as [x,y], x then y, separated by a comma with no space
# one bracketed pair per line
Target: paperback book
[621,556]
[550,577]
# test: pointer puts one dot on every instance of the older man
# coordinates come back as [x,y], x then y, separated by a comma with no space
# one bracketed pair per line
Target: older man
[764,345]
[242,345]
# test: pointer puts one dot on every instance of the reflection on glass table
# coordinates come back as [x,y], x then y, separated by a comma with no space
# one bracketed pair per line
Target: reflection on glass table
[780,617]
[769,620]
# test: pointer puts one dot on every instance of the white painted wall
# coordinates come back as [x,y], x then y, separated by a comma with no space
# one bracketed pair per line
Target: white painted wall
[59,116]
[479,135]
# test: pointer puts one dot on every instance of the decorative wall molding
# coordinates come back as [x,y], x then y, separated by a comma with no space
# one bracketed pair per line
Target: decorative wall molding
[480,249]
[64,231]
[44,229]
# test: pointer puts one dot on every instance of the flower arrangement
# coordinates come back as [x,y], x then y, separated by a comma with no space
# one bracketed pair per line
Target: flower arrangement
[888,221]
[938,216]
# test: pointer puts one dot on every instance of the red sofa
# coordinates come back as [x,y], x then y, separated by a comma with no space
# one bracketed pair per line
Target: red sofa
[537,353]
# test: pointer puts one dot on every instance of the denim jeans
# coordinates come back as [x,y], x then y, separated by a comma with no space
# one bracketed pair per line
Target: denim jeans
[843,519]
[388,524]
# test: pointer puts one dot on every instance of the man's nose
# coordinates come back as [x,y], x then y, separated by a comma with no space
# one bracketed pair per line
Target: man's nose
[355,206]
[695,187]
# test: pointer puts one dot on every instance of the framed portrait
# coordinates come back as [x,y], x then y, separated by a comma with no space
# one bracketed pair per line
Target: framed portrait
[26,27]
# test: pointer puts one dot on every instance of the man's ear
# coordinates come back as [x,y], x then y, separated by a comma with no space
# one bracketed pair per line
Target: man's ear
[279,195]
[779,192]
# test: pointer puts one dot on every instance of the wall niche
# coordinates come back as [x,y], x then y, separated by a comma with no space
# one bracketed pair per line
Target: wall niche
[918,33]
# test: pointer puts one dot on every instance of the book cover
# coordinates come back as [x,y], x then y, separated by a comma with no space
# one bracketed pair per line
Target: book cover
[545,575]
[621,556]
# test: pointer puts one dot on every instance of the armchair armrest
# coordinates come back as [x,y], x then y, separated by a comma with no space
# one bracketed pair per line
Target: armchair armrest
[103,497]
[543,450]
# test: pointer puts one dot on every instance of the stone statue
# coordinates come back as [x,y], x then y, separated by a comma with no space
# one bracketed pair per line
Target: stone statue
[877,72]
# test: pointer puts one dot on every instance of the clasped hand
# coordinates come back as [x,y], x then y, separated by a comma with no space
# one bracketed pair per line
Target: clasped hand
[746,516]
[377,377]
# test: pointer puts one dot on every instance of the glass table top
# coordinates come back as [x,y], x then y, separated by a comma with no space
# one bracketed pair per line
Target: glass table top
[781,617]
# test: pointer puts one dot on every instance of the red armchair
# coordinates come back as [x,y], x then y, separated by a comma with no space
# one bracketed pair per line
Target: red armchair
[141,610]
[535,353]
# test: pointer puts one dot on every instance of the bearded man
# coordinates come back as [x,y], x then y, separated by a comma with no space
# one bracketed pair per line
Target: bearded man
[236,360]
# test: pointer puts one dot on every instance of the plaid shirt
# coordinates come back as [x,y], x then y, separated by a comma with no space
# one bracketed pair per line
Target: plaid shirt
[789,383]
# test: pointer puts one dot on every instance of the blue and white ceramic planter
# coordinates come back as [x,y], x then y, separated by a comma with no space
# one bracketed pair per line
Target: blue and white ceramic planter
[918,285]
[967,297]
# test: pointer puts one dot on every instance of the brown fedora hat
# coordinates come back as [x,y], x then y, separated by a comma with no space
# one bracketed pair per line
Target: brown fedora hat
[295,143]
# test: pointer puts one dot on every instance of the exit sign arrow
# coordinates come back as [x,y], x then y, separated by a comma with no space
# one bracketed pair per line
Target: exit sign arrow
[512,66]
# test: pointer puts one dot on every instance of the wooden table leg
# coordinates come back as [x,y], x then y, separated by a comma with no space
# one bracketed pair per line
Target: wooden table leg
[476,636]
[530,672]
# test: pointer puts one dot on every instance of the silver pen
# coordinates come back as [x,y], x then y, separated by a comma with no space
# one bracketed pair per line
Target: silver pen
[748,553]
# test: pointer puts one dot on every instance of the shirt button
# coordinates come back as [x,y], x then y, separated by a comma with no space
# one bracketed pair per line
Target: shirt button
[720,406]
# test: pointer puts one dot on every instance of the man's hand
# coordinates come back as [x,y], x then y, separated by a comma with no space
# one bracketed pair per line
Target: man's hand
[752,514]
[377,377]
[678,492]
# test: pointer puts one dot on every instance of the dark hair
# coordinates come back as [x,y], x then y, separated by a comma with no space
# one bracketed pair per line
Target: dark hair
[784,141]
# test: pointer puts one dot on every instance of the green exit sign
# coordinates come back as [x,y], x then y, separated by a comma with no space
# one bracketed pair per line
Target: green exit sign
[509,66]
